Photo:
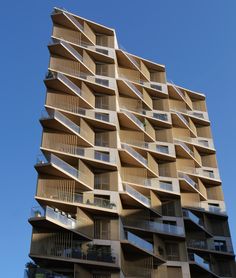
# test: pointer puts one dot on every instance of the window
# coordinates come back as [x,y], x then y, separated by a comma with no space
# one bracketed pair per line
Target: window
[102,116]
[220,245]
[172,251]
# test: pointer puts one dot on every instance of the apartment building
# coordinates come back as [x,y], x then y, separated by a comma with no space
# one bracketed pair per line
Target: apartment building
[128,183]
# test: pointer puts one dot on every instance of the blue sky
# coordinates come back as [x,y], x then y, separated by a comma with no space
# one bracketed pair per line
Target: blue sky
[194,39]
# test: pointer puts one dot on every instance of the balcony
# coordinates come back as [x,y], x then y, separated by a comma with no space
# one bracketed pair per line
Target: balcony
[200,265]
[161,150]
[167,186]
[50,247]
[60,218]
[135,154]
[91,155]
[62,119]
[209,246]
[78,199]
[139,242]
[187,179]
[209,175]
[154,227]
[43,273]
[201,143]
[137,195]
[59,164]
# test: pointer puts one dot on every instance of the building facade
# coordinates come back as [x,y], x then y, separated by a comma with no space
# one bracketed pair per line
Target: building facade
[128,185]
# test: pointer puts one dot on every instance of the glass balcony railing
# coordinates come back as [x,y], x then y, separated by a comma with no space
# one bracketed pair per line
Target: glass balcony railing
[53,114]
[139,242]
[182,118]
[75,21]
[199,260]
[155,227]
[64,79]
[193,217]
[79,151]
[137,195]
[54,214]
[68,46]
[133,60]
[61,164]
[52,247]
[134,153]
[133,118]
[178,90]
[185,147]
[188,179]
[210,245]
[134,88]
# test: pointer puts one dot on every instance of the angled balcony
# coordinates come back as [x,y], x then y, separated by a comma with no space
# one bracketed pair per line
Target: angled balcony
[101,158]
[64,18]
[54,165]
[160,150]
[202,144]
[89,202]
[49,217]
[194,223]
[132,197]
[183,150]
[153,227]
[163,185]
[57,122]
[49,247]
[206,174]
[134,243]
[200,266]
[208,246]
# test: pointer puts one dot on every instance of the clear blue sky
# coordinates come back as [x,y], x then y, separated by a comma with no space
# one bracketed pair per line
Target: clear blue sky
[194,39]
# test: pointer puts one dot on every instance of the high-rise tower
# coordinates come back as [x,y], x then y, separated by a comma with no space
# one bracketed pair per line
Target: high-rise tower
[129,184]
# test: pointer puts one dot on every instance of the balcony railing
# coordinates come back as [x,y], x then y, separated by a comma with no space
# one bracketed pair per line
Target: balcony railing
[199,260]
[183,118]
[64,79]
[185,147]
[61,164]
[193,217]
[155,227]
[75,21]
[78,198]
[134,153]
[133,118]
[134,88]
[53,114]
[58,216]
[85,152]
[139,242]
[50,247]
[69,48]
[188,179]
[137,195]
[211,173]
